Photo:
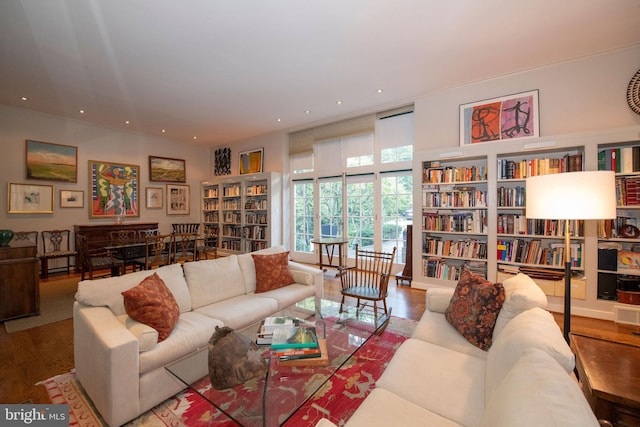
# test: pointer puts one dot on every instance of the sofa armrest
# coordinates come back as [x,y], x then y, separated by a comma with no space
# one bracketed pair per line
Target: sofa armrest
[315,275]
[106,362]
[438,299]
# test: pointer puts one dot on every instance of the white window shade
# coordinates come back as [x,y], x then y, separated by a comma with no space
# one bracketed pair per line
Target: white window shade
[357,146]
[396,131]
[328,155]
[302,162]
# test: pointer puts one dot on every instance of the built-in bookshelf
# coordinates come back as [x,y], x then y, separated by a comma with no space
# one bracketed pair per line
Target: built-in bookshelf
[246,210]
[454,217]
[619,239]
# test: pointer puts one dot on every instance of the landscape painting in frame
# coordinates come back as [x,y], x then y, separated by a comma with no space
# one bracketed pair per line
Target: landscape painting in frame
[500,119]
[167,170]
[114,189]
[52,162]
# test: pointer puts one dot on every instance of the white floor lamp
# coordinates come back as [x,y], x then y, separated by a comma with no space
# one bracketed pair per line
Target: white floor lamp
[571,196]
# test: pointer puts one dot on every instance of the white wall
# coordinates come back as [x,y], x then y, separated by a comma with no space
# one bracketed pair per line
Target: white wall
[94,143]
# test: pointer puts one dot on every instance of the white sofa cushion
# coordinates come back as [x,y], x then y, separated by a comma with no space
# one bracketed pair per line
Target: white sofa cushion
[240,311]
[537,392]
[438,299]
[288,295]
[440,380]
[383,408]
[147,336]
[435,329]
[521,293]
[107,292]
[193,331]
[214,280]
[248,267]
[534,328]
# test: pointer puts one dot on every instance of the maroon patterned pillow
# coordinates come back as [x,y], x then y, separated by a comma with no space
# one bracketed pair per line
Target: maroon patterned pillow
[474,308]
[153,304]
[272,271]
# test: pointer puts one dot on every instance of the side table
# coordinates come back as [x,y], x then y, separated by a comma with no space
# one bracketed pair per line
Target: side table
[609,375]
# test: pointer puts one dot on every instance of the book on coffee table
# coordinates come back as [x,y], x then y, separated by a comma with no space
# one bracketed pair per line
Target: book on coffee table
[296,337]
[268,325]
[321,360]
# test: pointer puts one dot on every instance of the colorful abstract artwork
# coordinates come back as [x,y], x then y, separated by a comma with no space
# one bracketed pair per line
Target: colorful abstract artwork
[114,190]
[506,118]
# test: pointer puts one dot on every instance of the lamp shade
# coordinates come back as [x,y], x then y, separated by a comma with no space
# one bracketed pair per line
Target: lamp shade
[571,195]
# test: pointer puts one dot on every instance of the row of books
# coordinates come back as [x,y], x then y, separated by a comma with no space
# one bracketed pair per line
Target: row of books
[520,169]
[620,160]
[622,227]
[460,222]
[532,252]
[511,197]
[468,248]
[460,197]
[628,190]
[519,224]
[435,175]
[289,338]
[441,268]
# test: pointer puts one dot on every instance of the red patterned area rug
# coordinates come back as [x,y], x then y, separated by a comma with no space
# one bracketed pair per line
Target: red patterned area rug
[336,400]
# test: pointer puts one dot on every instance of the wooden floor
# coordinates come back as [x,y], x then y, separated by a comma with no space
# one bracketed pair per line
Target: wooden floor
[33,355]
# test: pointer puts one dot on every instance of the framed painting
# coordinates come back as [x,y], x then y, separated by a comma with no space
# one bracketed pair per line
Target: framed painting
[164,169]
[52,162]
[114,189]
[71,199]
[251,161]
[177,199]
[222,161]
[500,119]
[30,198]
[154,198]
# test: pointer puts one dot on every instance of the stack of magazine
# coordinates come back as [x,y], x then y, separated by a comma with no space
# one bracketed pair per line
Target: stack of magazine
[290,339]
[270,324]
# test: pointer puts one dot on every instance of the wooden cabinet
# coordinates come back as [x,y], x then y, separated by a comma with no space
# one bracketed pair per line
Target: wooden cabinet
[98,235]
[19,283]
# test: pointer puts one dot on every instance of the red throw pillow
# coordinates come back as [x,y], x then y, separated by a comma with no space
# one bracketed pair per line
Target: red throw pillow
[153,304]
[272,271]
[474,308]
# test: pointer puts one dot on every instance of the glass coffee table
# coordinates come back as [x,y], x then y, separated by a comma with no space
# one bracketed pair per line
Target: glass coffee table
[272,399]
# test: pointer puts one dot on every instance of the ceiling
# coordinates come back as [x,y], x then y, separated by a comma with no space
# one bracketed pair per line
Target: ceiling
[225,70]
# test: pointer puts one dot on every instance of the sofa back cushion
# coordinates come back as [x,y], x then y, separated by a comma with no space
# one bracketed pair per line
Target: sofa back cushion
[537,392]
[107,292]
[521,293]
[534,328]
[248,267]
[214,280]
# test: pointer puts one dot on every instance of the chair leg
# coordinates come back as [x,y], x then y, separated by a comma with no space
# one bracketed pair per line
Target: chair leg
[341,303]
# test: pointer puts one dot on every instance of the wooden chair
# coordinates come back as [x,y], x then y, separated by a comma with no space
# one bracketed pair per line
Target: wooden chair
[96,259]
[143,234]
[125,237]
[158,251]
[55,245]
[209,245]
[186,228]
[368,279]
[184,247]
[26,236]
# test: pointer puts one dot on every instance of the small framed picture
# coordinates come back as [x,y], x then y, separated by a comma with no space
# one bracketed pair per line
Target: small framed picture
[30,198]
[251,161]
[154,197]
[71,199]
[177,199]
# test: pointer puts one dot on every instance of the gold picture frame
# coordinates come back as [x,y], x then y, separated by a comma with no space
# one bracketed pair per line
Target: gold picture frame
[165,169]
[29,198]
[114,189]
[51,162]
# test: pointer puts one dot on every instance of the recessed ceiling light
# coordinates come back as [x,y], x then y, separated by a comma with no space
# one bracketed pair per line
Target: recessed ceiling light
[379,91]
[338,102]
[24,98]
[307,111]
[126,122]
[81,111]
[278,120]
[195,137]
[163,131]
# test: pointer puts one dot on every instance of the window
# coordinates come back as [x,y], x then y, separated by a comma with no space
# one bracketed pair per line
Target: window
[360,213]
[330,192]
[395,136]
[303,216]
[397,211]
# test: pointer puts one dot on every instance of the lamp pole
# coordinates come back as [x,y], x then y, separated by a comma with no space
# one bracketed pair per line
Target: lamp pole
[567,280]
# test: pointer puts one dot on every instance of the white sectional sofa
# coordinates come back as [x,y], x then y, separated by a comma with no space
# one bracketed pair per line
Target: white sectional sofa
[120,362]
[437,378]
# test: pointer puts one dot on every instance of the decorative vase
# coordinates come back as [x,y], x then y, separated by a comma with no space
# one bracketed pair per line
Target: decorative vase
[5,237]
